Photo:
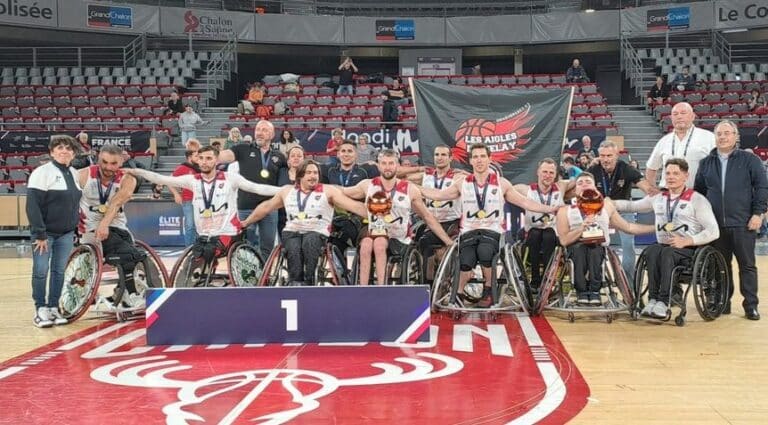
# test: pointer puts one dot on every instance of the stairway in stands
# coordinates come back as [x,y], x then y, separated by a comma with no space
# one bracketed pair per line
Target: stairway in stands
[640,130]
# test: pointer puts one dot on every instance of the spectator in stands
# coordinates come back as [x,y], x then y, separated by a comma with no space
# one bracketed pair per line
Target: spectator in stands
[576,73]
[587,148]
[295,155]
[53,198]
[477,70]
[254,96]
[286,142]
[347,71]
[233,138]
[188,122]
[685,141]
[84,156]
[366,154]
[174,106]
[659,92]
[332,147]
[572,171]
[684,81]
[757,103]
[585,160]
[634,165]
[189,166]
[394,97]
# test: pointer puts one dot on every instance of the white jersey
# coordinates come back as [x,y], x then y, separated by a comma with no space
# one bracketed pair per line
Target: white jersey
[534,220]
[603,221]
[308,212]
[398,221]
[443,211]
[488,216]
[95,200]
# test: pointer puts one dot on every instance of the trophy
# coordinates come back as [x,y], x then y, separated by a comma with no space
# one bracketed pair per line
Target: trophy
[379,205]
[590,204]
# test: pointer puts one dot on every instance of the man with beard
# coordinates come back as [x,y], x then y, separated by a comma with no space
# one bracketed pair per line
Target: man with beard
[309,208]
[482,195]
[541,238]
[102,219]
[215,195]
[260,164]
[406,198]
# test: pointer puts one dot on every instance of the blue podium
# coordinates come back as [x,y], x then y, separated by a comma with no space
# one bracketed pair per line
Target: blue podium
[189,316]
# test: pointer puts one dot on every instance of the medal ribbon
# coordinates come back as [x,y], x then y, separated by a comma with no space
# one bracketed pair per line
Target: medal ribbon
[671,209]
[207,202]
[481,198]
[104,196]
[301,204]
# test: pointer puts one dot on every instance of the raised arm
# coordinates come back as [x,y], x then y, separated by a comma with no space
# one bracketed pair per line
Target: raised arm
[447,194]
[242,183]
[338,199]
[419,208]
[357,191]
[521,189]
[639,206]
[617,222]
[226,156]
[127,186]
[513,196]
[264,208]
[186,181]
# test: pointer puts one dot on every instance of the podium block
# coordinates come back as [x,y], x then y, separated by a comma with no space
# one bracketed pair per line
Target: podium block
[188,316]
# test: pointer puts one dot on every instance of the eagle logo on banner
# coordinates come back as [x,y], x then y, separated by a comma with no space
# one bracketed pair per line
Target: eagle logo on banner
[506,137]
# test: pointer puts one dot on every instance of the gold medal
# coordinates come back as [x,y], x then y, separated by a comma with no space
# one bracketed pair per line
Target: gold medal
[545,219]
[207,213]
[264,174]
[481,214]
[437,204]
[669,227]
[389,218]
[301,216]
[102,209]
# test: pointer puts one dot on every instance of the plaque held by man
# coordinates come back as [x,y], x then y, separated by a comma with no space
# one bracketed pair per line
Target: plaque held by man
[379,205]
[590,204]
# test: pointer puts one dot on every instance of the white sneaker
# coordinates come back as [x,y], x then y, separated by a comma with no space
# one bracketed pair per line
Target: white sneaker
[43,318]
[58,319]
[134,301]
[659,310]
[648,308]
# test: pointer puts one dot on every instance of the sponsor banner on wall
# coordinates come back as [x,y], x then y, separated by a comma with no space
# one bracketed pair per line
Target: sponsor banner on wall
[741,14]
[30,12]
[212,24]
[519,127]
[101,16]
[157,223]
[395,29]
[673,18]
[37,141]
[404,140]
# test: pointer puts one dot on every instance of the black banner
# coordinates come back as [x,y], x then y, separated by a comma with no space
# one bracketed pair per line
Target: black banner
[519,126]
[37,141]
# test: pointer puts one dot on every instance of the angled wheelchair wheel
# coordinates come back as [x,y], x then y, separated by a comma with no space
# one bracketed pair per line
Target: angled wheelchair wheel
[709,282]
[150,273]
[518,279]
[625,289]
[244,265]
[444,277]
[275,269]
[190,271]
[82,276]
[331,268]
[411,267]
[551,281]
[640,285]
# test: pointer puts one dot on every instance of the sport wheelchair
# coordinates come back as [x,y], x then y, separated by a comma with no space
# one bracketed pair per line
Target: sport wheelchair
[403,268]
[558,293]
[86,272]
[706,275]
[198,265]
[508,287]
[331,268]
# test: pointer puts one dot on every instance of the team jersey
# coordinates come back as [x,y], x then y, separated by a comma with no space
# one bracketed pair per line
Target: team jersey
[444,211]
[488,216]
[602,220]
[534,220]
[308,212]
[94,202]
[398,221]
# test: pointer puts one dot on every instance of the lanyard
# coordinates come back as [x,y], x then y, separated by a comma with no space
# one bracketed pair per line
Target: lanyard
[302,204]
[345,181]
[439,183]
[541,198]
[207,202]
[671,209]
[688,142]
[265,160]
[608,182]
[104,197]
[481,198]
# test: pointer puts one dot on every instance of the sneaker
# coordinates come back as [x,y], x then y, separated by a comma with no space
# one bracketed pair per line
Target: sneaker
[134,301]
[487,299]
[659,310]
[594,299]
[582,298]
[43,318]
[648,308]
[58,319]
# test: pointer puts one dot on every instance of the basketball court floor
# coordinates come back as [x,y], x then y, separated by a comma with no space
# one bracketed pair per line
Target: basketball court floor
[515,369]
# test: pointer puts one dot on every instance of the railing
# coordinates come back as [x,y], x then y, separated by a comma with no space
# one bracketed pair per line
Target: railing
[76,126]
[632,65]
[219,69]
[62,56]
[134,51]
[721,47]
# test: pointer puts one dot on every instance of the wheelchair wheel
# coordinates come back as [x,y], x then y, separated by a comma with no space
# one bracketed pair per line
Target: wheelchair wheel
[518,279]
[275,269]
[331,268]
[149,273]
[626,291]
[190,271]
[710,282]
[82,276]
[444,276]
[411,268]
[244,264]
[640,285]
[551,281]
